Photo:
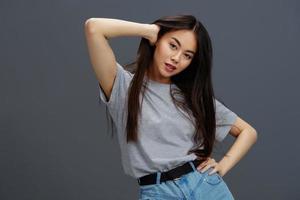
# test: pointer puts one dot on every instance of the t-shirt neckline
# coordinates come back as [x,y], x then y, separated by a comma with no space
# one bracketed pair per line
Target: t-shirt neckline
[153,82]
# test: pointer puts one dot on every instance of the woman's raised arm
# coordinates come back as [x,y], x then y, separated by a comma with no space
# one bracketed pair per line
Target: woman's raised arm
[97,32]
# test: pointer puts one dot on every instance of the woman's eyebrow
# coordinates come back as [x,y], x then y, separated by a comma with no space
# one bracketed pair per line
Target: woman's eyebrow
[177,41]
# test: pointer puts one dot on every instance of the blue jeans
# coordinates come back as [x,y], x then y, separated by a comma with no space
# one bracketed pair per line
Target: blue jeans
[191,186]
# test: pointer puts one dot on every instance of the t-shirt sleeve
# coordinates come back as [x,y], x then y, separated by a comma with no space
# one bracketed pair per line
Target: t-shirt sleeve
[225,118]
[116,101]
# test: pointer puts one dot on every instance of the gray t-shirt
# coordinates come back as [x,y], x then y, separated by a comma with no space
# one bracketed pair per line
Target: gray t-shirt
[164,135]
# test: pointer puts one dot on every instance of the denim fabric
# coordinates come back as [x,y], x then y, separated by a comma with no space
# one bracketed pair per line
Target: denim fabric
[192,186]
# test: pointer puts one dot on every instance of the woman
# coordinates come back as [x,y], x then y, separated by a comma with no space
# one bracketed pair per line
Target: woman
[167,138]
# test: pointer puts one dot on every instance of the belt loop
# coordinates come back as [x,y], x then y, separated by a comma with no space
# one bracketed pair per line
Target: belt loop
[158,174]
[193,166]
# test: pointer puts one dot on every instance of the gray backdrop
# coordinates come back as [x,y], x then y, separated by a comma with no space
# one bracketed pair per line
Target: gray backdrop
[53,140]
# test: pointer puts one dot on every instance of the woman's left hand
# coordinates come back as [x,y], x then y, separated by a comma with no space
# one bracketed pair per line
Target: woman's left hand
[208,163]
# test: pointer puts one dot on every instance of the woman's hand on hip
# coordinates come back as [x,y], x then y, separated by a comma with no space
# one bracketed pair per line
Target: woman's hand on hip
[208,163]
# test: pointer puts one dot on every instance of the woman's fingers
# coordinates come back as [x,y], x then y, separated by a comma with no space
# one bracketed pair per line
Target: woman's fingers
[207,161]
[210,162]
[208,166]
[213,171]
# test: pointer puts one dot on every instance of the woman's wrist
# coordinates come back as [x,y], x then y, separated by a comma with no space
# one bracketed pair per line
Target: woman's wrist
[225,165]
[148,31]
[152,32]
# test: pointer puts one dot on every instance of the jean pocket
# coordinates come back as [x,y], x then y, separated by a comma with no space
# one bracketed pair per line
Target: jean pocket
[213,179]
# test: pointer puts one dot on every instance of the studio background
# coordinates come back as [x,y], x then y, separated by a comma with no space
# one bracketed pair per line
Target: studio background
[53,131]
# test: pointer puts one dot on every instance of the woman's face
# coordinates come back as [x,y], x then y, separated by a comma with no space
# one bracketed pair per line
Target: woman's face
[176,48]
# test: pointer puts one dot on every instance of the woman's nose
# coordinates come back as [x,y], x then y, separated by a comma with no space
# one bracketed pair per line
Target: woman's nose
[175,57]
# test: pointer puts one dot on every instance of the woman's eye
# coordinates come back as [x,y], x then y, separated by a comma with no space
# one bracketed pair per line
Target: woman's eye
[188,56]
[172,45]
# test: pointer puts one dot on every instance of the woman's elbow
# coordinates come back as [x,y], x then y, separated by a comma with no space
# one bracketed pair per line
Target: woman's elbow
[89,26]
[254,133]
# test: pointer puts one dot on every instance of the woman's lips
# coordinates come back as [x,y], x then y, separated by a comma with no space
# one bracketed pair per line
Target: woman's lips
[169,68]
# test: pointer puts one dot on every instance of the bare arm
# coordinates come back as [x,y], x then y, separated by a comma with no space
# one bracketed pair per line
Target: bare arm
[97,32]
[245,138]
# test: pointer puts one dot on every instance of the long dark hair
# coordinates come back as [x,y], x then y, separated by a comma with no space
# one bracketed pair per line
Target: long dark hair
[194,83]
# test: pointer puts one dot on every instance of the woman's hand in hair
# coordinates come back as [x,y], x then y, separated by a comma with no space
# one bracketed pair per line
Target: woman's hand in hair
[152,37]
[210,163]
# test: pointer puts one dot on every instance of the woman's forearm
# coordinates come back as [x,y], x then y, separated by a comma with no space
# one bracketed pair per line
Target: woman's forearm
[240,147]
[115,27]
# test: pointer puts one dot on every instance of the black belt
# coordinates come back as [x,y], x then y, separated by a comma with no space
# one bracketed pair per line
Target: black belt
[168,175]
